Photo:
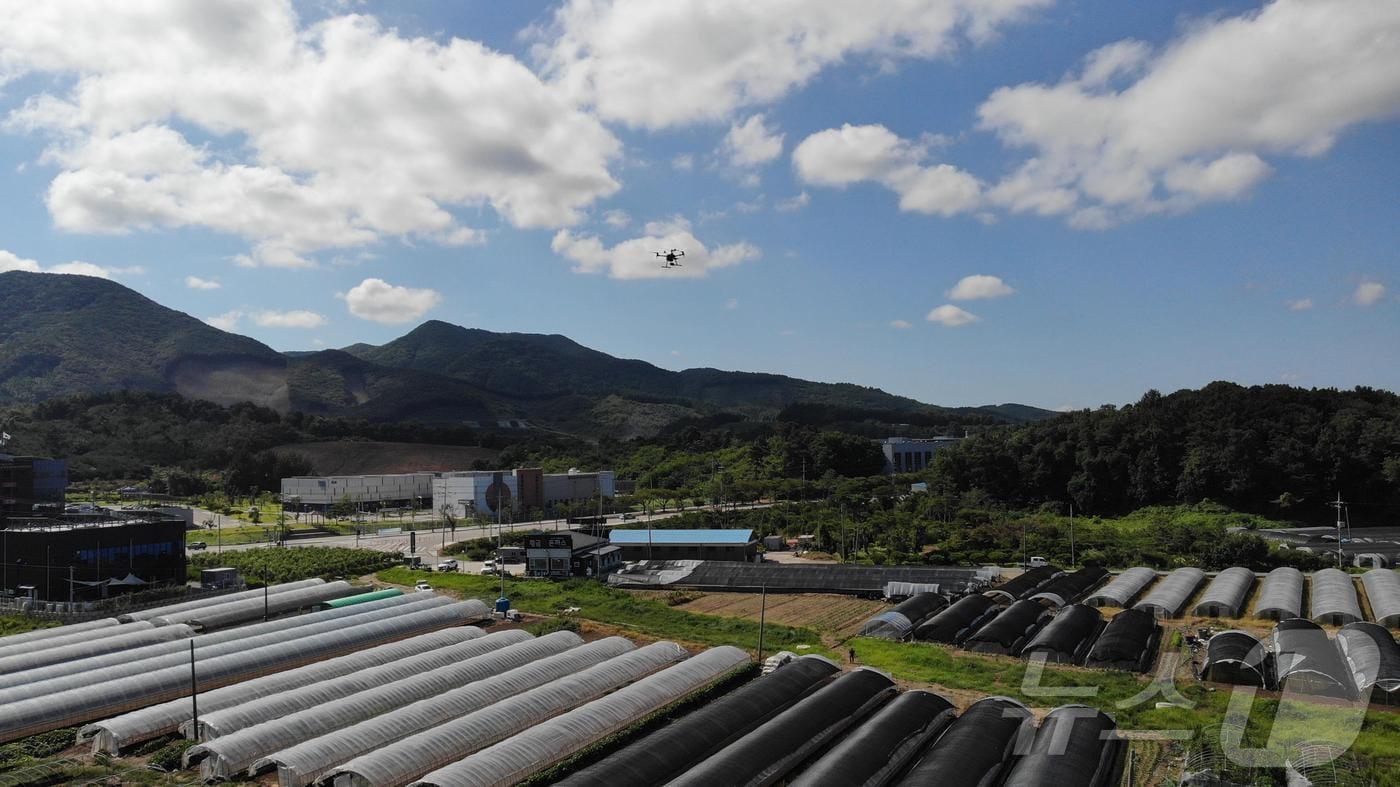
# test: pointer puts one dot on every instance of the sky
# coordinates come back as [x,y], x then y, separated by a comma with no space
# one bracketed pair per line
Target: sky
[967,202]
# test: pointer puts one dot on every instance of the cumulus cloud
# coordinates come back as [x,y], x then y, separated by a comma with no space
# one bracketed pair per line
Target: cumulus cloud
[13,262]
[752,143]
[380,301]
[902,325]
[654,65]
[1368,293]
[683,162]
[196,283]
[636,258]
[1140,131]
[795,202]
[344,132]
[979,286]
[951,316]
[617,219]
[731,304]
[852,154]
[227,321]
[1299,305]
[299,318]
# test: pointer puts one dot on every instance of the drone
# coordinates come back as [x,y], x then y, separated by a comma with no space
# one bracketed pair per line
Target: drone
[671,258]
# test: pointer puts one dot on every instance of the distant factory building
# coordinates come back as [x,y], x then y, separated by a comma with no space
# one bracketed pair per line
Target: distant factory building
[87,557]
[369,492]
[912,454]
[523,489]
[736,545]
[562,555]
[30,481]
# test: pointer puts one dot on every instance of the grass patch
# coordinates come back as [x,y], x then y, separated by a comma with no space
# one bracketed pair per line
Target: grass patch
[598,602]
[18,624]
[292,563]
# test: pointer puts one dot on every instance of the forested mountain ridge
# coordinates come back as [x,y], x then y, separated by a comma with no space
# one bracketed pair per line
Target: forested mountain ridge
[1262,448]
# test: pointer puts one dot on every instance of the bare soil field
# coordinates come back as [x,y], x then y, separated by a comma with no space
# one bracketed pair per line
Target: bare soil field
[833,616]
[348,457]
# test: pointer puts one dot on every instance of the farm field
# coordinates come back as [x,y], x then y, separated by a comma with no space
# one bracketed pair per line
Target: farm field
[838,616]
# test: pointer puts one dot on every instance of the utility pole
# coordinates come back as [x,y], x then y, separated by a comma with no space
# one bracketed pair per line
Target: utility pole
[265,601]
[762,615]
[1339,505]
[1025,562]
[194,692]
[1071,534]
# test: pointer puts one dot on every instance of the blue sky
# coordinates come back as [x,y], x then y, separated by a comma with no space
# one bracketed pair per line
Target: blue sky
[1154,198]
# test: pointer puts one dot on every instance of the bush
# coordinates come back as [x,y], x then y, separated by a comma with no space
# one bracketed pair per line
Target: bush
[288,564]
[168,757]
[551,625]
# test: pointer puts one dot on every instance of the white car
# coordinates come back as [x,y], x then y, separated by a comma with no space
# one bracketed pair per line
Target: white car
[489,567]
[447,565]
[423,586]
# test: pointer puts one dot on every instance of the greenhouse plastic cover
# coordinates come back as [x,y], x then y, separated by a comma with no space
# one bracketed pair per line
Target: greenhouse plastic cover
[1027,582]
[235,612]
[1068,636]
[1383,591]
[452,740]
[784,741]
[112,734]
[1128,640]
[305,762]
[1123,589]
[542,745]
[799,578]
[373,595]
[1372,654]
[975,748]
[15,644]
[210,601]
[382,690]
[881,747]
[664,754]
[300,646]
[898,623]
[1241,652]
[63,651]
[1301,647]
[1009,631]
[112,666]
[1067,588]
[1334,595]
[1226,592]
[1280,594]
[1170,595]
[953,624]
[907,589]
[1074,746]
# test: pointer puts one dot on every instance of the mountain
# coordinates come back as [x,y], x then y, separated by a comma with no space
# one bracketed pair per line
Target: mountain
[64,335]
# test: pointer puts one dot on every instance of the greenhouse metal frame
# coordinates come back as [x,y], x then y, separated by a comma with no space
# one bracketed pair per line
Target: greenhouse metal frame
[1008,632]
[1026,583]
[452,740]
[780,744]
[1169,597]
[881,747]
[1122,589]
[955,623]
[1085,755]
[1224,597]
[898,623]
[976,748]
[542,745]
[1280,595]
[1066,639]
[661,756]
[1238,658]
[308,761]
[1128,642]
[1334,598]
[1383,593]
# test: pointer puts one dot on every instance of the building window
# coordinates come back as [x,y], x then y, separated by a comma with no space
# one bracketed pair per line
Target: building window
[539,564]
[558,564]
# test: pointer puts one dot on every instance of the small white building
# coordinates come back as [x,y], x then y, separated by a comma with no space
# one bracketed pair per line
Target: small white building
[912,454]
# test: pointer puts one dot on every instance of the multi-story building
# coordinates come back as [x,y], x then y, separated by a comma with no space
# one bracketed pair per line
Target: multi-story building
[912,454]
[569,554]
[370,492]
[27,482]
[101,552]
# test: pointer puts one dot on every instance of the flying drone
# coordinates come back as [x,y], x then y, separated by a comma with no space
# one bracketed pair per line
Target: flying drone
[671,258]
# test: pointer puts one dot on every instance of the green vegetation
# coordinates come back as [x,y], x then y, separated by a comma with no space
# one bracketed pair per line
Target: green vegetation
[168,757]
[288,564]
[600,603]
[18,624]
[26,750]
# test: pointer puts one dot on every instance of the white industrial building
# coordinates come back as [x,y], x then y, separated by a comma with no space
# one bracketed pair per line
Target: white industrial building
[911,454]
[573,486]
[368,491]
[475,491]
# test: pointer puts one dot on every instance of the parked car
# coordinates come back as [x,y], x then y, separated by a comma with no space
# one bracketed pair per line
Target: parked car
[447,565]
[423,586]
[489,567]
[1037,561]
[628,517]
[195,546]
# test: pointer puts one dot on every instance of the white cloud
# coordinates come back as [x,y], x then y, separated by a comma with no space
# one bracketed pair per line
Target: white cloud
[656,64]
[380,301]
[636,258]
[902,325]
[979,286]
[787,332]
[617,219]
[851,154]
[326,135]
[1139,131]
[1368,293]
[683,162]
[196,283]
[752,143]
[299,318]
[226,321]
[951,316]
[795,202]
[1299,305]
[13,262]
[731,304]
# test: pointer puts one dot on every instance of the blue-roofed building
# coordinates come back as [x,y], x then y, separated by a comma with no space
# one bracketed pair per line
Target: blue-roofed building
[733,545]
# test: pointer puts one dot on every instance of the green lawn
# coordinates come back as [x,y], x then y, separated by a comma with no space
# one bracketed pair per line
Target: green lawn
[18,624]
[620,608]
